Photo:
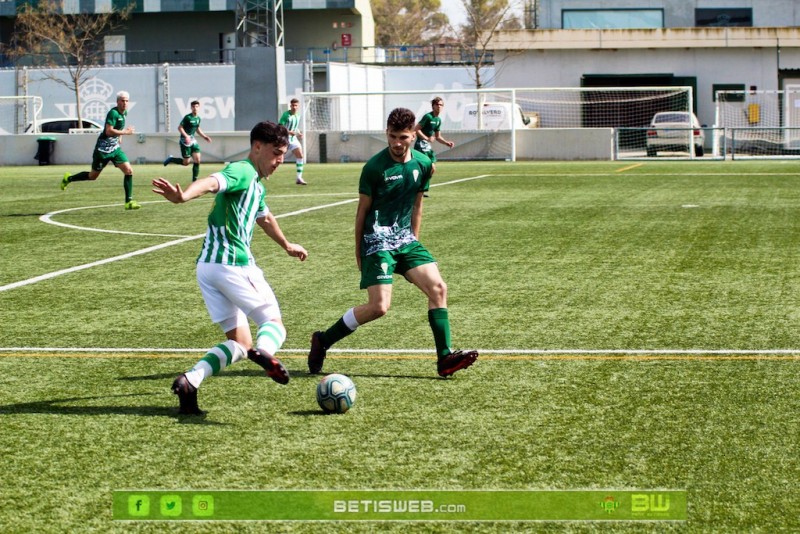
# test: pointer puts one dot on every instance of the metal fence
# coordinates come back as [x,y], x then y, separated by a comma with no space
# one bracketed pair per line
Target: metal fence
[391,55]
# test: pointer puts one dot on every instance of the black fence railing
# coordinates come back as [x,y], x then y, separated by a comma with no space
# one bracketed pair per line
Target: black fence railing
[391,55]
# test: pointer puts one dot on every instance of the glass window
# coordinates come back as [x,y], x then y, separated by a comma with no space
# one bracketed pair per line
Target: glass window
[608,19]
[723,17]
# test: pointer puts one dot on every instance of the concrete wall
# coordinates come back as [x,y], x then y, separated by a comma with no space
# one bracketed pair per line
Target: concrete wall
[565,144]
[678,13]
[533,144]
[729,66]
[76,149]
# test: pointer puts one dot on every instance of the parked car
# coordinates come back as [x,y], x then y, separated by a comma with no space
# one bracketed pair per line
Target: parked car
[61,125]
[671,131]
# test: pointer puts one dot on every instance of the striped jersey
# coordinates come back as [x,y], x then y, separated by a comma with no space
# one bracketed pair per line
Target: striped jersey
[291,122]
[238,203]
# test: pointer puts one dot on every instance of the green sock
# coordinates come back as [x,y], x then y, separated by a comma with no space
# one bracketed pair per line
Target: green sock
[440,325]
[80,177]
[195,171]
[127,184]
[338,331]
[177,161]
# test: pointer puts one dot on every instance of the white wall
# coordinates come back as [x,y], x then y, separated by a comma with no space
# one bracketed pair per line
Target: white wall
[756,66]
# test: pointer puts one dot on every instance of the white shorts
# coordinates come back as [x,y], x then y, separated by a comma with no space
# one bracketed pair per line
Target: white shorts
[294,145]
[236,292]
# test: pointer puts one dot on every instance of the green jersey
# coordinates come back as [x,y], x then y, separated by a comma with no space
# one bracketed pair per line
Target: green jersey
[190,124]
[291,122]
[393,187]
[238,203]
[429,125]
[108,144]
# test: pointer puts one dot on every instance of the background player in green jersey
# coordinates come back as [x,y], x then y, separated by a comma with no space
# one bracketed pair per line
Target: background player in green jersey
[430,128]
[108,150]
[189,126]
[388,221]
[291,120]
[233,286]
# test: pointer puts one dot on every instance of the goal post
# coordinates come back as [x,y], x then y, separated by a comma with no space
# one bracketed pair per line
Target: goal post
[17,112]
[759,123]
[350,126]
[485,124]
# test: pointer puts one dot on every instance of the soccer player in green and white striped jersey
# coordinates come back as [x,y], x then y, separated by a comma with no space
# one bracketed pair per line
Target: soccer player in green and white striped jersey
[190,150]
[291,120]
[233,287]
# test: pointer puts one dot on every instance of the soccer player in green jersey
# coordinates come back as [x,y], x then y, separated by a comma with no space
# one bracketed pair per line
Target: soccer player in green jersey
[388,221]
[233,286]
[108,150]
[430,128]
[190,150]
[291,120]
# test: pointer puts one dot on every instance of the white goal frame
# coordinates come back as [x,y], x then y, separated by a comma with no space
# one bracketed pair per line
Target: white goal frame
[16,112]
[349,126]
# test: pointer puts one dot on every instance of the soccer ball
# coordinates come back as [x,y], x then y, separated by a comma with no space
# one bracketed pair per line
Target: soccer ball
[336,393]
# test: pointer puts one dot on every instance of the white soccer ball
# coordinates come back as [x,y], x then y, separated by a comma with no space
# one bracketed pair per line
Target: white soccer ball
[336,393]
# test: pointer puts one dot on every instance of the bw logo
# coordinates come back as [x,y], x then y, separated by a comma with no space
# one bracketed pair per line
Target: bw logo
[652,502]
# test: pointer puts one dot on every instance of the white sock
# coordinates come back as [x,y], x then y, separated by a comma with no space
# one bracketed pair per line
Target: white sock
[270,337]
[215,360]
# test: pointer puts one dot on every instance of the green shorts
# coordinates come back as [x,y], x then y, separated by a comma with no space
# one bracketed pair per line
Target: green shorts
[187,151]
[425,148]
[101,159]
[379,267]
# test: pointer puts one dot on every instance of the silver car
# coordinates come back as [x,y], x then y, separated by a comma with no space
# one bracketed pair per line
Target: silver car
[672,130]
[62,125]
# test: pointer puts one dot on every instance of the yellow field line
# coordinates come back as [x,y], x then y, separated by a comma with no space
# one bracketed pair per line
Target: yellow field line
[490,357]
[629,167]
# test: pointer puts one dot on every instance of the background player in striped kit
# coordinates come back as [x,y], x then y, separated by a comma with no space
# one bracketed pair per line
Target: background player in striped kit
[233,287]
[291,120]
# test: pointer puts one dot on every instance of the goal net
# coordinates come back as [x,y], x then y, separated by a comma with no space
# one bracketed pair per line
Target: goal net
[759,124]
[485,123]
[350,126]
[17,112]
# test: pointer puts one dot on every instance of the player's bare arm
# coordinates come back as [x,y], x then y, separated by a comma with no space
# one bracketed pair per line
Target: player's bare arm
[444,141]
[270,226]
[113,132]
[364,205]
[416,216]
[175,194]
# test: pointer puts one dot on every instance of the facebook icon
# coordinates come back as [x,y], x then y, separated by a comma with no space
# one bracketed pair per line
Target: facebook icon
[138,505]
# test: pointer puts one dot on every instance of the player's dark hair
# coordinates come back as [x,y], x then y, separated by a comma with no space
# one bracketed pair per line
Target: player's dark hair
[292,101]
[269,133]
[437,100]
[194,102]
[401,119]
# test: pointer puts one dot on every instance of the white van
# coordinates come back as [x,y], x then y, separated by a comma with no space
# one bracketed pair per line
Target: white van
[497,116]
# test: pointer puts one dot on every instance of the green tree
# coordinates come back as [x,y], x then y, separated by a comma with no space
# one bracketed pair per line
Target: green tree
[408,22]
[45,36]
[484,19]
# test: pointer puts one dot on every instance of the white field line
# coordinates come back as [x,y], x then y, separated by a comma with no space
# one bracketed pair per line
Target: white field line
[48,218]
[622,352]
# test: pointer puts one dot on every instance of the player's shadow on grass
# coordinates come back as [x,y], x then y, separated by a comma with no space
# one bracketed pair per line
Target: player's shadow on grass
[254,372]
[56,407]
[384,375]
